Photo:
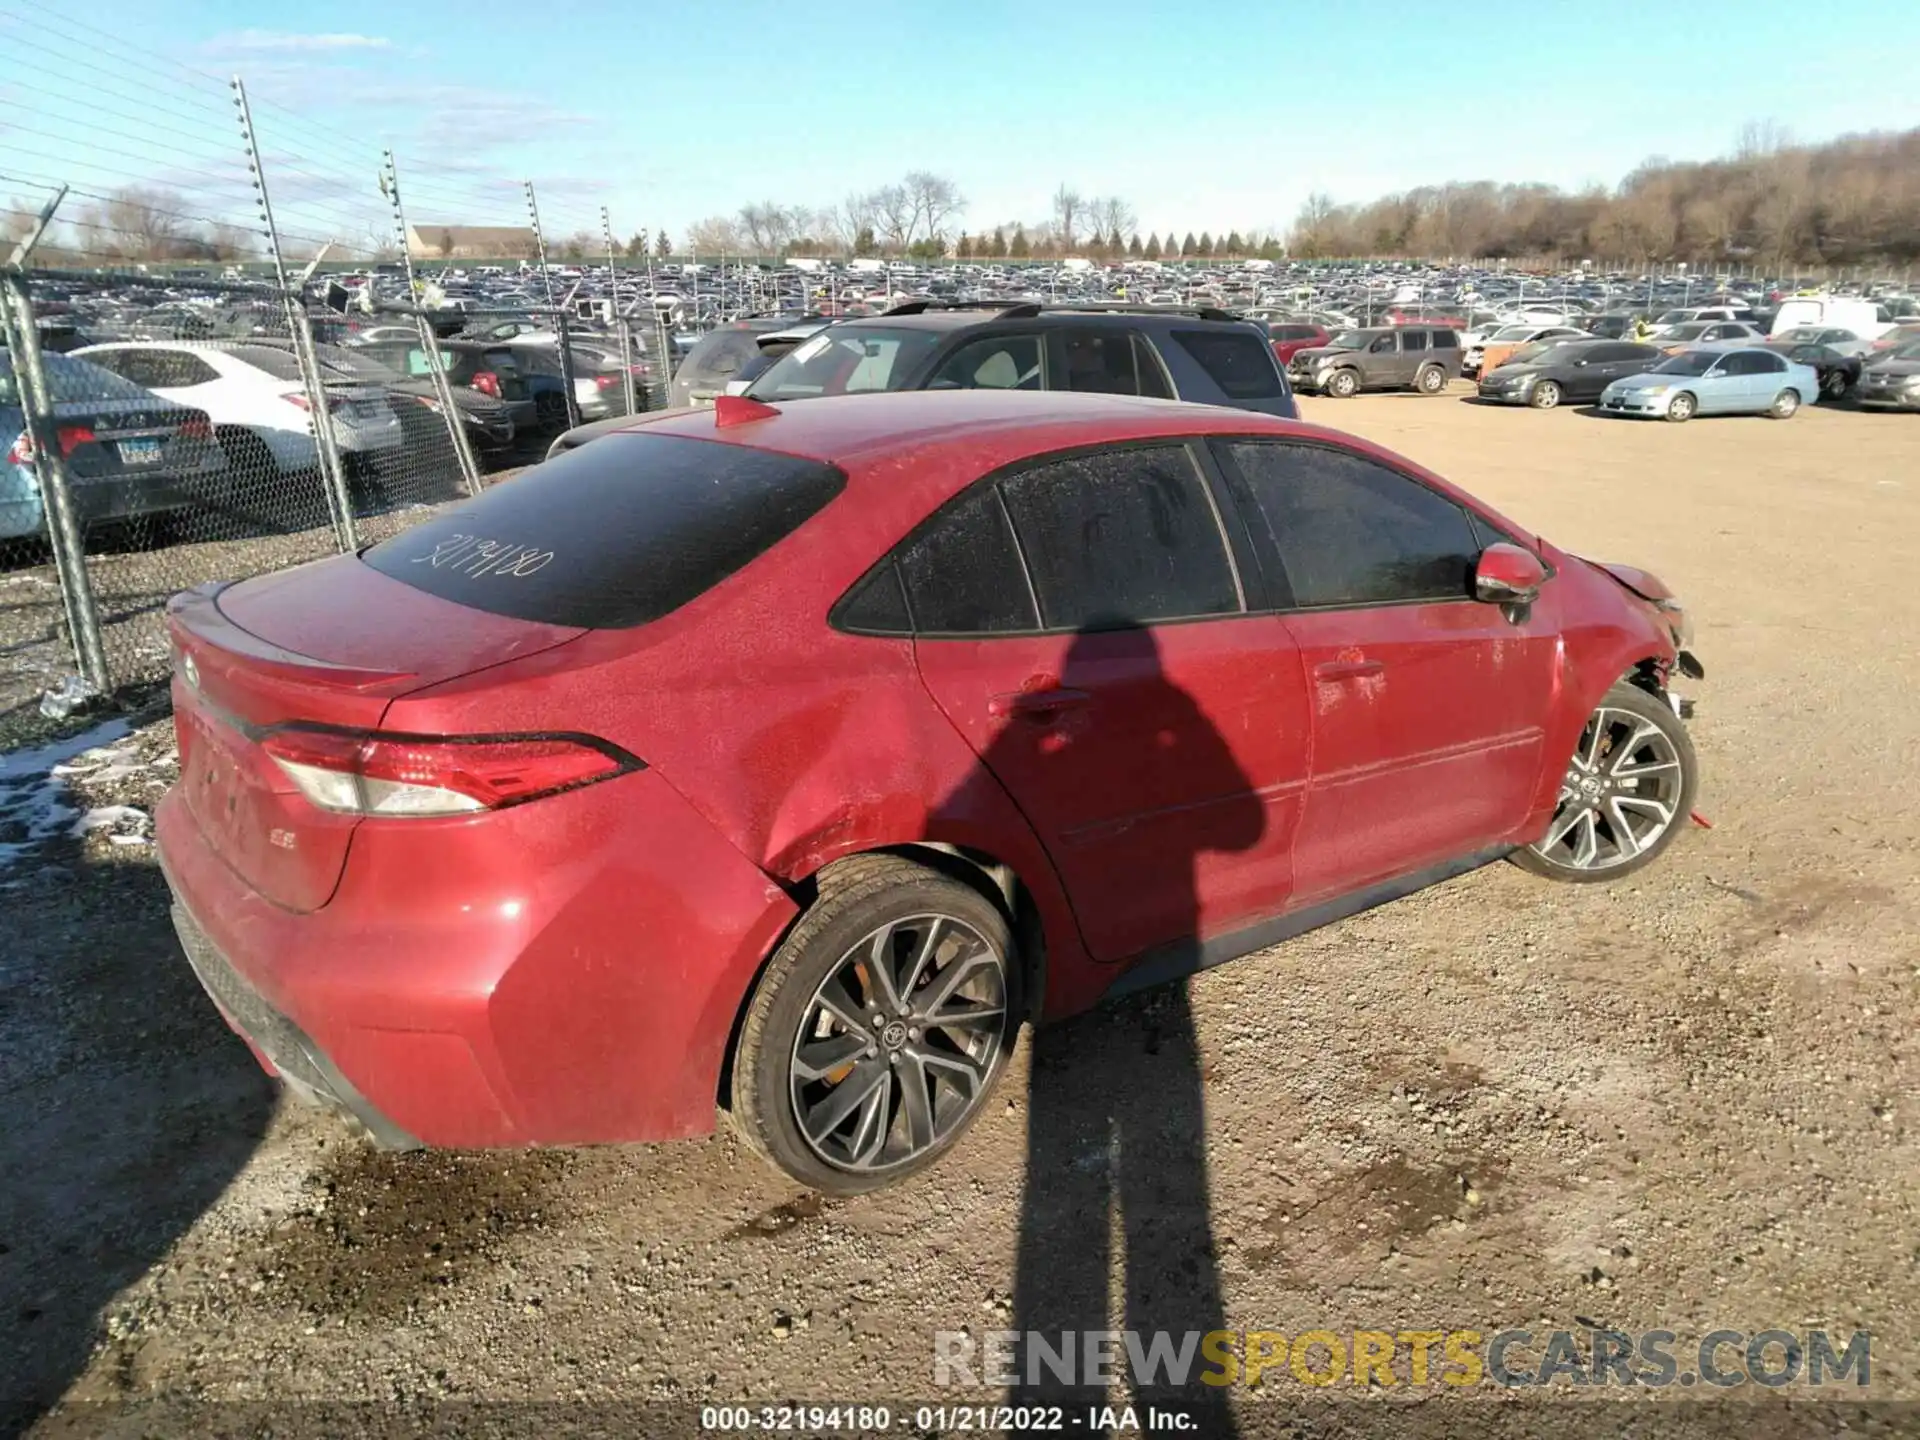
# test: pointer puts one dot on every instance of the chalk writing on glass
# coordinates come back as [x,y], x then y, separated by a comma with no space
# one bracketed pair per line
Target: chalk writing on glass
[475,556]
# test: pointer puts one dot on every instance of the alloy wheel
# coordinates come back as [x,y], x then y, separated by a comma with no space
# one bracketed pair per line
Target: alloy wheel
[899,1043]
[1621,793]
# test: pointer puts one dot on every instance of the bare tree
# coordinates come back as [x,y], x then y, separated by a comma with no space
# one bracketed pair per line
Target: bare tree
[139,223]
[714,235]
[893,209]
[932,200]
[1067,209]
[1111,216]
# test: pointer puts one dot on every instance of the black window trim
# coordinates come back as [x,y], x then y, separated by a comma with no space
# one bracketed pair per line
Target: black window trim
[1485,531]
[1239,552]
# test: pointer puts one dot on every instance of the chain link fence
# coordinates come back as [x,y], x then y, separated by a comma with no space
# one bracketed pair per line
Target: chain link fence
[240,337]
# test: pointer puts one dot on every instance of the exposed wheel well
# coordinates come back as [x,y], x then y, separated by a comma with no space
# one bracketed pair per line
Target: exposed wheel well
[1650,675]
[992,878]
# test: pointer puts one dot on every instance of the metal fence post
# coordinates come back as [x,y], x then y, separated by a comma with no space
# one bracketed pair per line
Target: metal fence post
[429,342]
[560,320]
[664,340]
[50,470]
[333,475]
[621,328]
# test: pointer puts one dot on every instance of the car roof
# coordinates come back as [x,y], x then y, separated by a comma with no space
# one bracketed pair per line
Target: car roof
[1007,424]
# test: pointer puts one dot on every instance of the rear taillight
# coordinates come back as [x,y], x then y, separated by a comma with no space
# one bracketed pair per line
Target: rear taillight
[606,382]
[195,427]
[72,437]
[357,772]
[333,402]
[487,383]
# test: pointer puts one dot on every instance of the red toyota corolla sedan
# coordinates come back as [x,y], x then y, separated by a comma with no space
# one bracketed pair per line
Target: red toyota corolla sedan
[788,759]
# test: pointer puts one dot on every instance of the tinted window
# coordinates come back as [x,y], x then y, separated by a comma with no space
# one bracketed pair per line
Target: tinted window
[1121,536]
[280,364]
[1097,361]
[159,369]
[1445,340]
[719,354]
[1292,332]
[1239,362]
[610,535]
[1351,532]
[1743,362]
[1414,340]
[1002,362]
[963,573]
[1153,371]
[71,378]
[877,605]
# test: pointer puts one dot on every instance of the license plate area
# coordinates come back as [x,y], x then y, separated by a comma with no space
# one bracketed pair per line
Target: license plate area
[145,451]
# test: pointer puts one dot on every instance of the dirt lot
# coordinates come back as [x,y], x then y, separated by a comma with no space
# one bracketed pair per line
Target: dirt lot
[1687,1101]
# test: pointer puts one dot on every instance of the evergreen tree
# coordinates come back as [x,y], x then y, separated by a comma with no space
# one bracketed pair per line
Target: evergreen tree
[1152,252]
[1205,246]
[865,243]
[1000,242]
[662,246]
[1189,245]
[1133,246]
[1235,245]
[1019,248]
[963,248]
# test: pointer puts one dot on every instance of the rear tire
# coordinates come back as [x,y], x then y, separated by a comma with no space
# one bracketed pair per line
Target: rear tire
[1835,386]
[1343,384]
[1431,380]
[1546,395]
[854,997]
[1785,405]
[1627,792]
[1681,408]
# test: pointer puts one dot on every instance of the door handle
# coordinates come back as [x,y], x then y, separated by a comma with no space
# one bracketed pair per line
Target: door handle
[1347,669]
[1037,704]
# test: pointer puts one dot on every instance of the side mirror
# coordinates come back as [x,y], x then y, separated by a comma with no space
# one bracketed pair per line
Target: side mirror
[1508,575]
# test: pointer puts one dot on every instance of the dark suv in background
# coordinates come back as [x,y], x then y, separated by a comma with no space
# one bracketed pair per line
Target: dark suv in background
[1398,357]
[1200,354]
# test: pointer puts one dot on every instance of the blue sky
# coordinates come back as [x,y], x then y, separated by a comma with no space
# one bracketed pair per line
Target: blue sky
[1202,115]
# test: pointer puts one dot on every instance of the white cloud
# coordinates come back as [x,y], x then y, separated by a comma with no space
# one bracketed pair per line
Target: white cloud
[286,40]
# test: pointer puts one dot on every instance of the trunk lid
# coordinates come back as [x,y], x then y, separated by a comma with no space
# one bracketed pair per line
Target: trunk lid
[330,643]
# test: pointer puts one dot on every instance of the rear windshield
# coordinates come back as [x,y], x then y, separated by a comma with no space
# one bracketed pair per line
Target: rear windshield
[1240,365]
[721,354]
[611,535]
[72,381]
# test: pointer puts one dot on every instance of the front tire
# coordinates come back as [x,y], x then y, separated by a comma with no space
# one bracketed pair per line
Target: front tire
[1343,384]
[1546,395]
[1681,408]
[1785,405]
[879,1028]
[1628,789]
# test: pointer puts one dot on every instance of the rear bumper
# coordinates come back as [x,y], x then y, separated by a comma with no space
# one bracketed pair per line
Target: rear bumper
[282,1047]
[565,972]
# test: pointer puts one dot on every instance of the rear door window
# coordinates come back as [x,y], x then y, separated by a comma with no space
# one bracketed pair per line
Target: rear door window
[963,575]
[612,535]
[1237,360]
[1120,537]
[1445,340]
[1413,340]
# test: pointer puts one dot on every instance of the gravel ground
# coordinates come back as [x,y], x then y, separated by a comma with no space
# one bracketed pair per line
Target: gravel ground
[1685,1101]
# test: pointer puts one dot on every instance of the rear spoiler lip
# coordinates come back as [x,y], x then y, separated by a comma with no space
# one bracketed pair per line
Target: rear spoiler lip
[197,613]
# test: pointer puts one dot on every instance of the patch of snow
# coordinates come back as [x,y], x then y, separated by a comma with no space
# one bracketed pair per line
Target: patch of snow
[33,791]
